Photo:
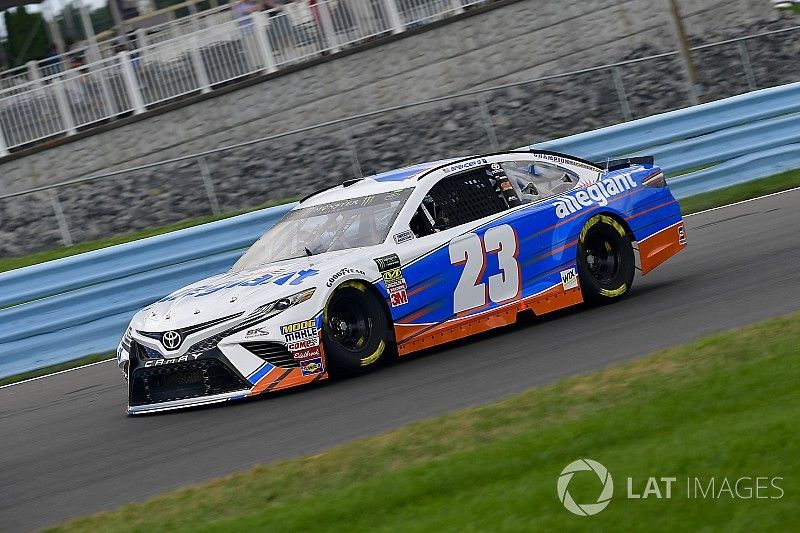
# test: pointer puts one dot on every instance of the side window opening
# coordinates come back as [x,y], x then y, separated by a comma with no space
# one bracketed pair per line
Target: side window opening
[457,200]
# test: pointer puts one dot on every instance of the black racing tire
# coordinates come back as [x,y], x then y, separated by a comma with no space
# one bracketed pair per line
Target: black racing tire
[355,330]
[606,264]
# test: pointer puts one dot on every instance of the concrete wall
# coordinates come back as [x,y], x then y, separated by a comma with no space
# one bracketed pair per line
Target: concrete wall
[515,41]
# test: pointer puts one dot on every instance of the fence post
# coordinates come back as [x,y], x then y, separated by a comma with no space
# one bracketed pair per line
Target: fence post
[63,103]
[199,67]
[131,83]
[748,68]
[3,145]
[264,48]
[623,98]
[395,20]
[487,122]
[60,218]
[35,74]
[141,38]
[208,183]
[328,29]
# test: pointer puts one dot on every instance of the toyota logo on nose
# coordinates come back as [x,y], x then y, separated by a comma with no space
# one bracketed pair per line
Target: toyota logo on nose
[171,340]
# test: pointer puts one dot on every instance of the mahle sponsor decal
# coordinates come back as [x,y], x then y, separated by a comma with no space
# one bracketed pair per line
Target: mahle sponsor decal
[595,194]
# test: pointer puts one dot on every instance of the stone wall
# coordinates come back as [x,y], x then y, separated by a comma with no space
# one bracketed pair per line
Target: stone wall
[514,42]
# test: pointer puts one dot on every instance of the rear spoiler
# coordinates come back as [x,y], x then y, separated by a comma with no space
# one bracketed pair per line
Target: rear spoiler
[615,164]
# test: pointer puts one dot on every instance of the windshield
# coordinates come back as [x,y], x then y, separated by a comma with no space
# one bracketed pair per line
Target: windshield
[351,223]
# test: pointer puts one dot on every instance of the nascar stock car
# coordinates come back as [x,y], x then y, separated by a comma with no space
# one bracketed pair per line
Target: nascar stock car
[391,264]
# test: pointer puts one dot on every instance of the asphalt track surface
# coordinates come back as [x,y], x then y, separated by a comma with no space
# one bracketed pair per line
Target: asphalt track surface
[67,449]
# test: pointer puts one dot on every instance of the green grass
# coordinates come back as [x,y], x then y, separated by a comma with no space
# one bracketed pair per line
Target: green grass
[725,406]
[10,263]
[743,191]
[55,368]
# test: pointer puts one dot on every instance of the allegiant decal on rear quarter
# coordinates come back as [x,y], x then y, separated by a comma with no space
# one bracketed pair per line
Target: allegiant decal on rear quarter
[598,193]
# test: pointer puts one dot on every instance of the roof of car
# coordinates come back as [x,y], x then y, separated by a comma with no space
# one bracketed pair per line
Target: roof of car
[391,180]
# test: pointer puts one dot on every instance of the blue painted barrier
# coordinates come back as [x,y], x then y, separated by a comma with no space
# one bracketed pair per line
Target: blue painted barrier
[81,305]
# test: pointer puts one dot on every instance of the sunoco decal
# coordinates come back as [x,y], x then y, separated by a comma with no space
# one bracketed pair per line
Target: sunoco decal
[312,366]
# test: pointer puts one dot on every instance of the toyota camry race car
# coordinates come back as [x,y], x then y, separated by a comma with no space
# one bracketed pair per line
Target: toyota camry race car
[398,262]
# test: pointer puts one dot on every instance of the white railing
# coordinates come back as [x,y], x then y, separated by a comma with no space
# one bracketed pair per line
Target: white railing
[128,82]
[51,66]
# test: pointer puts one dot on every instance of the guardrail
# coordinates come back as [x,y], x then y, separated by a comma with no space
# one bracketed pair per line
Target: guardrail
[81,305]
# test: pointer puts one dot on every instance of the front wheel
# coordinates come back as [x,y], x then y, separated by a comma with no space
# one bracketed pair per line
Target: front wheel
[606,264]
[355,330]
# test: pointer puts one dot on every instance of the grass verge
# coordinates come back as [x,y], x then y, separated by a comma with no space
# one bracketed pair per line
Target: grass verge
[724,407]
[743,191]
[55,368]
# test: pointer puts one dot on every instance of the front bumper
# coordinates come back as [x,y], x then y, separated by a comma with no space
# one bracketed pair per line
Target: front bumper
[189,402]
[162,384]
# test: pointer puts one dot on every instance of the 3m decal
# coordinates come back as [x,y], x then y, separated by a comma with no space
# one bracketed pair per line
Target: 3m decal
[312,366]
[397,298]
[681,235]
[470,251]
[595,194]
[569,279]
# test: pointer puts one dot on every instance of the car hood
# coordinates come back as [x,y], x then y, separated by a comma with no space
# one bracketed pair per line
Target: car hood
[239,293]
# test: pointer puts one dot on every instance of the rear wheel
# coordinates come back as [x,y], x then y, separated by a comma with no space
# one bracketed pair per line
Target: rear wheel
[355,330]
[606,264]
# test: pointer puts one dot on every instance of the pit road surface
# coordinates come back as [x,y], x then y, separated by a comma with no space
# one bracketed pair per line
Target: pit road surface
[68,449]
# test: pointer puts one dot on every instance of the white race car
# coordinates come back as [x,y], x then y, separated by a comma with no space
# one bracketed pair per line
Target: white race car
[394,263]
